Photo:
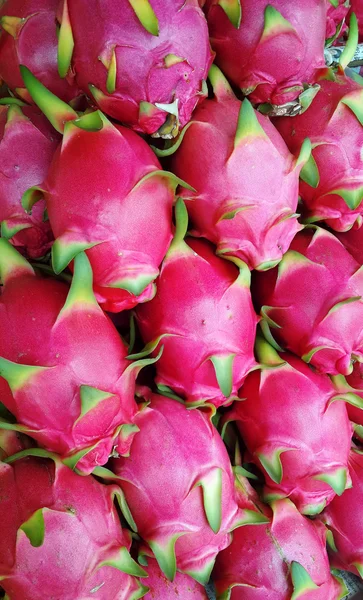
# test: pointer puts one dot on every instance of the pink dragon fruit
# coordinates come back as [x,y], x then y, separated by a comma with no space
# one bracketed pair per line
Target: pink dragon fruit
[283,560]
[29,37]
[303,463]
[352,240]
[105,193]
[356,7]
[160,588]
[270,50]
[352,387]
[313,302]
[62,537]
[144,62]
[332,180]
[12,442]
[223,154]
[203,315]
[27,146]
[182,498]
[337,11]
[343,517]
[73,395]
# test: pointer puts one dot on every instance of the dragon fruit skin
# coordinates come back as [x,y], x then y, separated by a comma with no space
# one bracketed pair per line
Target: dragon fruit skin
[159,586]
[282,560]
[312,302]
[352,387]
[145,68]
[268,49]
[332,188]
[182,498]
[62,537]
[357,8]
[27,146]
[343,517]
[105,193]
[303,463]
[74,396]
[352,240]
[203,316]
[335,24]
[222,155]
[29,37]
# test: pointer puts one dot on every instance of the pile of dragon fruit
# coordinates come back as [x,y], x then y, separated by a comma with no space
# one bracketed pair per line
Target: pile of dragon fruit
[181,301]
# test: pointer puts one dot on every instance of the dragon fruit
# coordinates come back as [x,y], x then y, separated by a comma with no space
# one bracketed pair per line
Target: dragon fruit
[269,50]
[105,193]
[297,461]
[62,537]
[352,240]
[343,517]
[73,394]
[182,498]
[223,153]
[352,387]
[203,315]
[12,442]
[356,7]
[332,180]
[283,560]
[337,11]
[313,302]
[183,587]
[27,146]
[29,37]
[143,62]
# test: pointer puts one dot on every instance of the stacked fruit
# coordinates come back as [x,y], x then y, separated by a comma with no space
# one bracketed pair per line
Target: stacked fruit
[181,324]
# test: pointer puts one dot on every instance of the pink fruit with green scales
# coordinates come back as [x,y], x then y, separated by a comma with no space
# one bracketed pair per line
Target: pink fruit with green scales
[332,181]
[29,37]
[270,50]
[27,145]
[245,180]
[203,316]
[290,418]
[285,559]
[62,537]
[311,303]
[143,62]
[74,395]
[105,194]
[182,498]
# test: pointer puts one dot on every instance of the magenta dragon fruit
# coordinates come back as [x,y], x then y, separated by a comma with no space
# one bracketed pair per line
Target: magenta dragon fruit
[343,517]
[182,587]
[332,180]
[29,37]
[27,146]
[203,316]
[284,560]
[62,537]
[312,303]
[357,9]
[143,62]
[299,462]
[105,193]
[73,395]
[269,50]
[12,442]
[352,387]
[224,152]
[352,240]
[182,498]
[337,11]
